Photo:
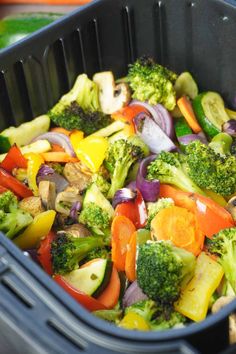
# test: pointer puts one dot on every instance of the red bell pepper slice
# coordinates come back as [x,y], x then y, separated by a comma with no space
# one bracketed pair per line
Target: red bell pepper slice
[134,210]
[44,253]
[10,182]
[13,159]
[85,300]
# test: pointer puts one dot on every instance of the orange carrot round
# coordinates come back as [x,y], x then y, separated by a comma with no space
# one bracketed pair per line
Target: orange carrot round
[121,229]
[180,226]
[211,216]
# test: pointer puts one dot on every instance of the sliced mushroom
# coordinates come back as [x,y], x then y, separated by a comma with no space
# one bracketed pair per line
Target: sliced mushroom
[32,205]
[47,192]
[77,230]
[217,306]
[112,97]
[66,199]
[77,175]
[231,207]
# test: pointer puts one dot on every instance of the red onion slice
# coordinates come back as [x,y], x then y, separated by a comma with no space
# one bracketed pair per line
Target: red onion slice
[152,134]
[187,139]
[59,139]
[230,127]
[160,115]
[150,190]
[133,294]
[123,195]
[76,207]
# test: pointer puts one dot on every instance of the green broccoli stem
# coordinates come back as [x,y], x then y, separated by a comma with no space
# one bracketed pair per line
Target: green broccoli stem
[119,176]
[183,182]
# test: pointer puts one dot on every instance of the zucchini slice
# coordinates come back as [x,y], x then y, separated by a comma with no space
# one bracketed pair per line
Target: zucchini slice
[26,132]
[185,85]
[210,111]
[92,279]
[94,195]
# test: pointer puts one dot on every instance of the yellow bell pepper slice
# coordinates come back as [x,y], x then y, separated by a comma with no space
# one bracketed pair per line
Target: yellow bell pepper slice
[92,151]
[195,297]
[34,163]
[37,230]
[75,137]
[134,321]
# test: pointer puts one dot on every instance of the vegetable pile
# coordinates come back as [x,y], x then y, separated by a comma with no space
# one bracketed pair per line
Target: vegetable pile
[127,193]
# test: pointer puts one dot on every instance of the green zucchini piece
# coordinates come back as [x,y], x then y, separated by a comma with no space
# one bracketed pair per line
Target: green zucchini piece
[221,143]
[26,132]
[15,27]
[143,236]
[185,85]
[182,128]
[210,111]
[94,195]
[38,147]
[4,144]
[92,279]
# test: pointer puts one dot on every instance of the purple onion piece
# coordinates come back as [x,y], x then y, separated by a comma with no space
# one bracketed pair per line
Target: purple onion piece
[133,294]
[132,185]
[160,115]
[59,139]
[76,207]
[60,182]
[187,139]
[167,123]
[150,190]
[230,127]
[123,195]
[45,170]
[152,134]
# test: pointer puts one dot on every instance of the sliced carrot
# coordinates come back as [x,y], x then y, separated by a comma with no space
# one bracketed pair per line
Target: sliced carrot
[121,229]
[130,260]
[58,157]
[110,295]
[211,216]
[180,226]
[60,130]
[56,148]
[186,109]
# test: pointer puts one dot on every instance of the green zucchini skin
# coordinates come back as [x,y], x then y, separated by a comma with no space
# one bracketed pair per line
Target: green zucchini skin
[182,128]
[15,27]
[208,127]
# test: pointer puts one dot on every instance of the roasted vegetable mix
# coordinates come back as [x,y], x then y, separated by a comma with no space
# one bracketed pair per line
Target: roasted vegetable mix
[127,191]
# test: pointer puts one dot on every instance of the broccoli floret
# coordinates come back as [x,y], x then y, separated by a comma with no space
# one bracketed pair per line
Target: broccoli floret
[99,252]
[102,184]
[233,147]
[152,82]
[80,108]
[168,319]
[223,244]
[67,251]
[161,269]
[169,168]
[145,308]
[95,218]
[120,157]
[154,208]
[12,218]
[157,316]
[211,170]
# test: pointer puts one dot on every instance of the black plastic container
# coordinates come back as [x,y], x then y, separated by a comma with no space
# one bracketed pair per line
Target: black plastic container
[198,36]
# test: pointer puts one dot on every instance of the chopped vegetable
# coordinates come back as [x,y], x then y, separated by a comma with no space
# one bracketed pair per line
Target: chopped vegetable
[194,300]
[37,230]
[186,109]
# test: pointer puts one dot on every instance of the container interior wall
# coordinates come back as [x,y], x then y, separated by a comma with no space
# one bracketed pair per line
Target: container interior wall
[197,36]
